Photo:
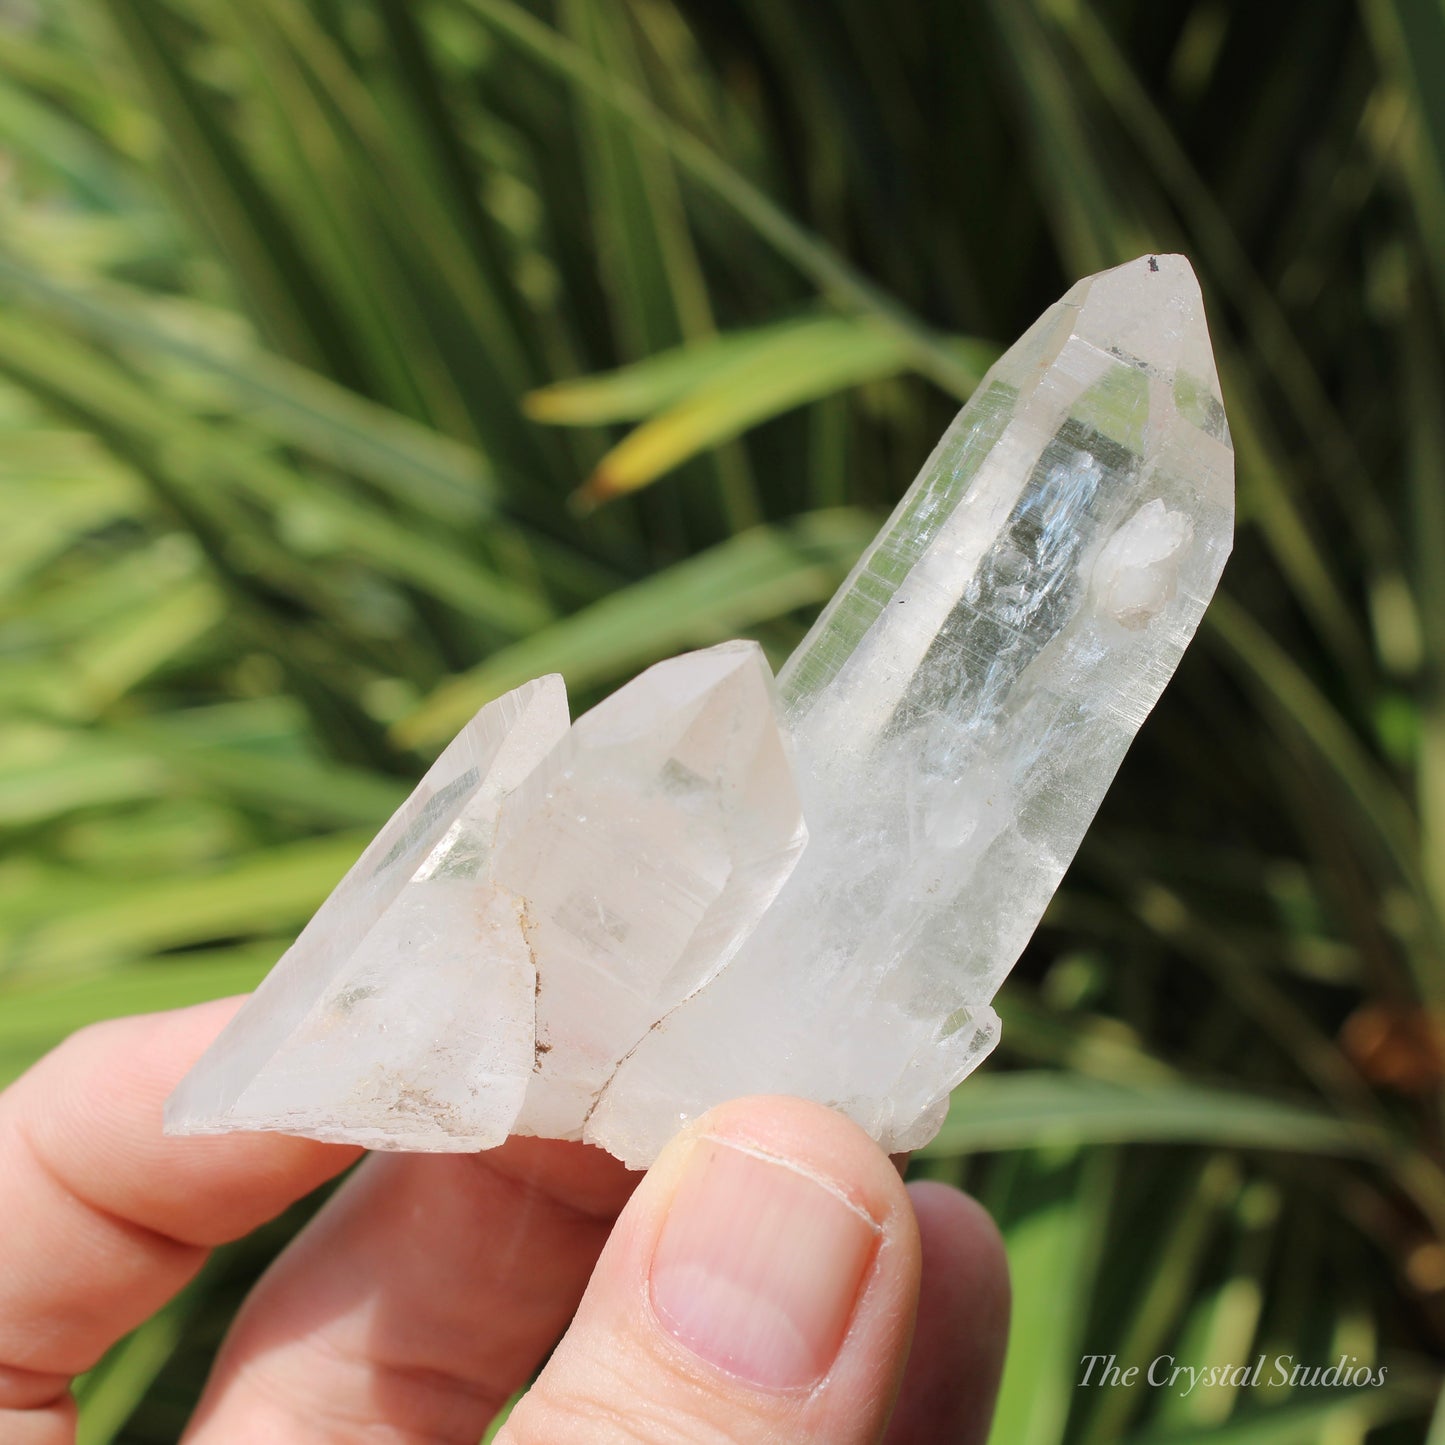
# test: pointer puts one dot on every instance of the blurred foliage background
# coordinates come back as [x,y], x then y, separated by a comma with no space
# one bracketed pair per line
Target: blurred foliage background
[360,359]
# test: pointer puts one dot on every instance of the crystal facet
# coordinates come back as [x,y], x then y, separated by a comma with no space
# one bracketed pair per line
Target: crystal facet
[646,845]
[377,1027]
[600,932]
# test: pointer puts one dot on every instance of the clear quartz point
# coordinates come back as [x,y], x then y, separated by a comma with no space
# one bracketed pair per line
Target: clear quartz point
[647,845]
[380,1026]
[957,713]
[601,932]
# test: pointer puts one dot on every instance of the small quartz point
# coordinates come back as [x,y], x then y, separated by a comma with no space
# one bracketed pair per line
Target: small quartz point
[600,932]
[378,1027]
[647,846]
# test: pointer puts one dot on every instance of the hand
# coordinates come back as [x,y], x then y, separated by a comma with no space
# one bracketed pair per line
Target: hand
[760,1283]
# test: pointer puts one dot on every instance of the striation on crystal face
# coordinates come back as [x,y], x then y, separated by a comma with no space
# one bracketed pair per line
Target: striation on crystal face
[953,720]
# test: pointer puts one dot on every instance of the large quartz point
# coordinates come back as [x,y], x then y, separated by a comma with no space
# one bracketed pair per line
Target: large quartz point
[953,720]
[957,713]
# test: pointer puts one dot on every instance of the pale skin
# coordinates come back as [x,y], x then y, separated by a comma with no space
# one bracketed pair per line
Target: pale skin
[769,1279]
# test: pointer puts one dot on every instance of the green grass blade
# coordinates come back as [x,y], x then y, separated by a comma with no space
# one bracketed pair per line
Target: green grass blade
[180,446]
[638,390]
[37,1016]
[1102,220]
[1028,1109]
[783,370]
[1436,1434]
[753,578]
[652,272]
[1276,676]
[232,204]
[1425,370]
[699,396]
[42,136]
[1409,38]
[1052,1214]
[1170,1262]
[109,1394]
[653,280]
[274,891]
[833,276]
[1223,1323]
[1097,226]
[421,468]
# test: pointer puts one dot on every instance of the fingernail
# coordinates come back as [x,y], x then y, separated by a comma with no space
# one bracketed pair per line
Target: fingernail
[758,1266]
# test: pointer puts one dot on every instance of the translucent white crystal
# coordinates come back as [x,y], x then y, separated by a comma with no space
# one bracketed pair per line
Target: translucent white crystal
[647,845]
[378,1026]
[600,932]
[957,713]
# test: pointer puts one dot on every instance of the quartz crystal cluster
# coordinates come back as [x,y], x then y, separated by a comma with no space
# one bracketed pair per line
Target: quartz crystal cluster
[710,885]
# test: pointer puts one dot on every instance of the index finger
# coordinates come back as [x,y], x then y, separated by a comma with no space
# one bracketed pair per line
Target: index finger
[105,1218]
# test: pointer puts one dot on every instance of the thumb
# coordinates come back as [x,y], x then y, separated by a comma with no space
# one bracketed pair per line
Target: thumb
[760,1285]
